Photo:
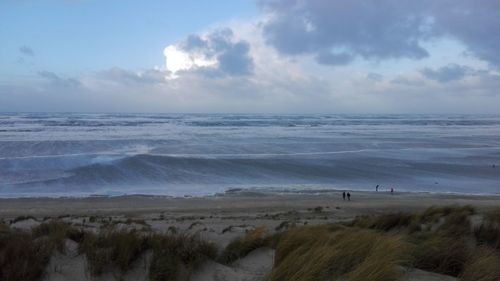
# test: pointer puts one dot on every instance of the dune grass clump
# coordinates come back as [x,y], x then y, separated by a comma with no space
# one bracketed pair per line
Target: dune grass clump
[484,265]
[386,222]
[434,213]
[494,215]
[323,253]
[55,232]
[176,256]
[22,218]
[4,228]
[112,249]
[241,247]
[22,257]
[488,233]
[456,224]
[439,253]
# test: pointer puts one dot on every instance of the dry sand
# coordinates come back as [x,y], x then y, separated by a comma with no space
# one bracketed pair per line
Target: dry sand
[219,218]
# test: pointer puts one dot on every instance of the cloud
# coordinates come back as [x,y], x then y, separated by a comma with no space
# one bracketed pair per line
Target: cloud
[215,54]
[448,73]
[27,51]
[375,76]
[334,59]
[147,76]
[276,64]
[475,23]
[337,31]
[147,90]
[333,30]
[58,81]
[407,81]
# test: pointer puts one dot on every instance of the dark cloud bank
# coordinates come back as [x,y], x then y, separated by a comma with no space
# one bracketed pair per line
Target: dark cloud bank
[336,32]
[233,57]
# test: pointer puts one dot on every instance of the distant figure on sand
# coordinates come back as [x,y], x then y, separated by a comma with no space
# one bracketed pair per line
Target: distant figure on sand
[348,196]
[376,188]
[392,190]
[343,195]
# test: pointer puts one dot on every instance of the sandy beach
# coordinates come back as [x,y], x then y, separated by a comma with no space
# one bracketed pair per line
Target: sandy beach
[219,219]
[241,203]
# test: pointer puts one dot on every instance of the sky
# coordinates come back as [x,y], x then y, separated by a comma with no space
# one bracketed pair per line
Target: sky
[250,56]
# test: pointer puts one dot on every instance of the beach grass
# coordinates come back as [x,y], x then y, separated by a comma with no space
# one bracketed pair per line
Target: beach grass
[483,265]
[22,257]
[112,249]
[175,256]
[377,247]
[326,252]
[488,232]
[242,246]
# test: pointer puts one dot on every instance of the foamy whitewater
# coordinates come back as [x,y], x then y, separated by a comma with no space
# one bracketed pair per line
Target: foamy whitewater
[195,154]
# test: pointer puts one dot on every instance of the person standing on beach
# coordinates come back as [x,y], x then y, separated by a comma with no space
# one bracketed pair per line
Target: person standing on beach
[392,190]
[376,188]
[343,195]
[348,196]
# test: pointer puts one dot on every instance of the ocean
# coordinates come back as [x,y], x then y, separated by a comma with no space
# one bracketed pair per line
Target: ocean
[66,154]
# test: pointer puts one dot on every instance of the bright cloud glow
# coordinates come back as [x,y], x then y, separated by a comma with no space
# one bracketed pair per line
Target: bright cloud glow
[177,60]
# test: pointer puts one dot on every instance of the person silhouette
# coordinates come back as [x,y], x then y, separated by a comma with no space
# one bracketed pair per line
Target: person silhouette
[376,188]
[348,196]
[343,195]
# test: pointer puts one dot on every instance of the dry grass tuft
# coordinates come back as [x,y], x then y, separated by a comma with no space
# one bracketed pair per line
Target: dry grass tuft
[4,228]
[240,247]
[385,222]
[434,213]
[112,249]
[22,257]
[55,232]
[483,266]
[22,218]
[440,253]
[176,256]
[488,233]
[320,253]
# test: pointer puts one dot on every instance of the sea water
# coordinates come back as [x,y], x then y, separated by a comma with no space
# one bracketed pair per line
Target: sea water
[65,154]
